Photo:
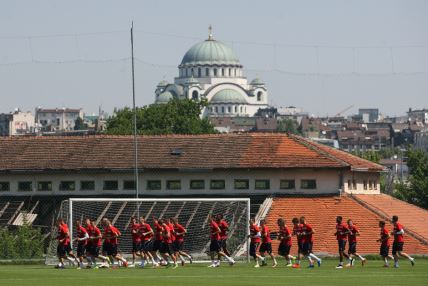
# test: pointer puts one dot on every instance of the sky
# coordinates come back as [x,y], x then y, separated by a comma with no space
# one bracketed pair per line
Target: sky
[321,56]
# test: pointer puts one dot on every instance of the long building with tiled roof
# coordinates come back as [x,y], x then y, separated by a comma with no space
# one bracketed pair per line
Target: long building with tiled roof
[259,163]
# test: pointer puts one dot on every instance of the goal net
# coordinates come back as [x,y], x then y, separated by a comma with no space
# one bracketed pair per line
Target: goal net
[191,213]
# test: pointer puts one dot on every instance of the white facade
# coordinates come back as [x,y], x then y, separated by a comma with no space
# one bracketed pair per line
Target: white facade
[58,119]
[421,140]
[16,123]
[210,70]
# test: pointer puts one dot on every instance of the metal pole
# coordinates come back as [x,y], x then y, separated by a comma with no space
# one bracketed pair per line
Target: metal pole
[248,229]
[135,119]
[70,222]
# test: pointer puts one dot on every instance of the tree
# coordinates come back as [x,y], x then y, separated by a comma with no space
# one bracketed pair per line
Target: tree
[288,125]
[415,190]
[79,124]
[175,117]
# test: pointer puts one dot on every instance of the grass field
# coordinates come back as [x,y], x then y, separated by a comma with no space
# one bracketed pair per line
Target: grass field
[240,274]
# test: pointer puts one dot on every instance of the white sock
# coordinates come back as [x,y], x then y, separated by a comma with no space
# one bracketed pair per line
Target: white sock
[310,260]
[181,258]
[362,258]
[289,261]
[314,256]
[229,259]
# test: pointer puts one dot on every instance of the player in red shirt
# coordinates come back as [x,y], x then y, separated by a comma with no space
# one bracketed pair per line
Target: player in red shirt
[397,245]
[166,248]
[157,227]
[352,247]
[215,249]
[134,226]
[224,228]
[384,243]
[146,235]
[307,233]
[110,236]
[284,236]
[266,245]
[255,242]
[180,232]
[341,236]
[81,240]
[64,247]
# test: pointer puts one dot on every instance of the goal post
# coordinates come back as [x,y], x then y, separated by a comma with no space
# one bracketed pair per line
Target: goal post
[192,213]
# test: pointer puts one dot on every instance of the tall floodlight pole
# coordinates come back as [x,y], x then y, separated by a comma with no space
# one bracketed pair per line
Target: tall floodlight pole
[135,119]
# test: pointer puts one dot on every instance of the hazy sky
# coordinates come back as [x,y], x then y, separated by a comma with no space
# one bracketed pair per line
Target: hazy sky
[322,56]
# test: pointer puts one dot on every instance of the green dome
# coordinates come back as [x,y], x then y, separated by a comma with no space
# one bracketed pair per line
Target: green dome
[257,81]
[228,96]
[210,52]
[164,97]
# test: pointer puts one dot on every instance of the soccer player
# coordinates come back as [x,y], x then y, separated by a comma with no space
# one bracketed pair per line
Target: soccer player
[136,238]
[215,246]
[110,236]
[224,228]
[94,242]
[352,247]
[64,247]
[146,233]
[307,241]
[266,246]
[397,245]
[385,243]
[284,236]
[180,232]
[297,231]
[341,236]
[158,240]
[81,239]
[166,248]
[254,242]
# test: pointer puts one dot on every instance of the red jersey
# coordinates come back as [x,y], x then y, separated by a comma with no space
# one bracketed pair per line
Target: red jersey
[284,232]
[352,235]
[82,233]
[95,232]
[398,237]
[265,232]
[90,230]
[214,231]
[341,231]
[224,227]
[254,231]
[307,229]
[143,229]
[297,231]
[136,237]
[110,234]
[158,231]
[166,235]
[384,235]
[178,228]
[63,235]
[171,227]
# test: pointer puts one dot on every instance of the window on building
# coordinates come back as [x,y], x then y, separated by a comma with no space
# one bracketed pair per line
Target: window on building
[287,184]
[44,186]
[111,185]
[216,109]
[154,185]
[229,109]
[259,96]
[370,185]
[197,184]
[236,109]
[217,184]
[215,72]
[207,72]
[87,185]
[354,184]
[262,185]
[195,95]
[129,185]
[365,185]
[25,186]
[230,72]
[374,185]
[222,72]
[4,186]
[349,185]
[191,72]
[199,72]
[67,186]
[173,184]
[241,109]
[308,184]
[242,184]
[222,109]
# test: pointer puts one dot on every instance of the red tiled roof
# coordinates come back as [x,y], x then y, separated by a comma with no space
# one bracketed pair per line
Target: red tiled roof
[321,214]
[250,150]
[412,217]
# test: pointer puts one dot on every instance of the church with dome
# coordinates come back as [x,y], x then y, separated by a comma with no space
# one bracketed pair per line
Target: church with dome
[211,70]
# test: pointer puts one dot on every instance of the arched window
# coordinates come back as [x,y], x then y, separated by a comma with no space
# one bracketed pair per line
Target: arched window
[230,72]
[191,72]
[215,72]
[199,72]
[222,72]
[222,109]
[216,109]
[229,109]
[236,109]
[241,109]
[259,96]
[195,95]
[207,72]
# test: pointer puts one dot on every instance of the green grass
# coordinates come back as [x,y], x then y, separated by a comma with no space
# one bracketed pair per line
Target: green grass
[240,274]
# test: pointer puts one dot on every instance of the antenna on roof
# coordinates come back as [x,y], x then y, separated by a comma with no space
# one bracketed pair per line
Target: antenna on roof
[210,33]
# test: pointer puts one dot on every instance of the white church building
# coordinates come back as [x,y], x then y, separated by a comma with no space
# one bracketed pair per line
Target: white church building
[211,70]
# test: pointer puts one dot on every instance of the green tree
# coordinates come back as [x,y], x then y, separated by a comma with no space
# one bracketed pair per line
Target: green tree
[288,125]
[415,190]
[175,117]
[79,124]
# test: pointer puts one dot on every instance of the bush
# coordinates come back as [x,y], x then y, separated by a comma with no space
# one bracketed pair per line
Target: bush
[24,242]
